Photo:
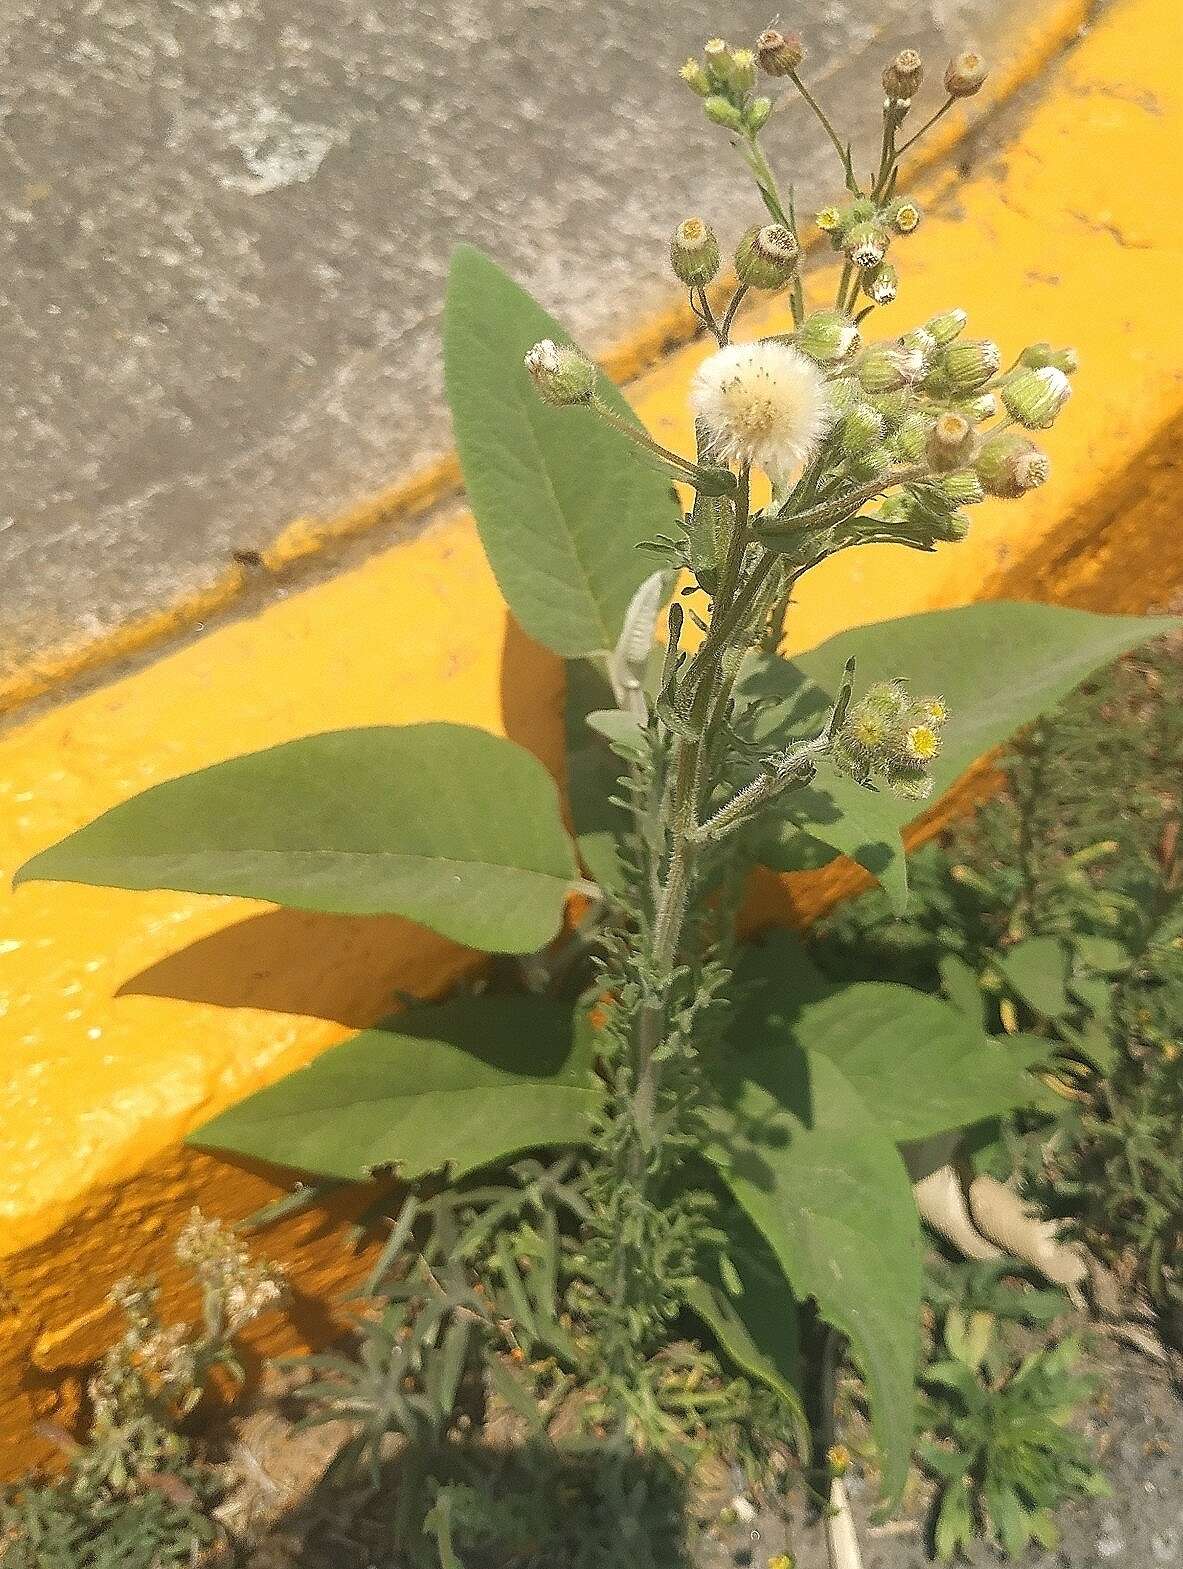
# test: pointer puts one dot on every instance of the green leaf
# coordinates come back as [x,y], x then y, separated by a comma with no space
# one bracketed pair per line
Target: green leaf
[921,1064]
[807,1161]
[758,1328]
[446,825]
[1037,970]
[445,1088]
[560,498]
[997,665]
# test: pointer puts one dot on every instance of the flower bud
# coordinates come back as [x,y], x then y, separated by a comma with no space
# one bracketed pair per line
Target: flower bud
[779,54]
[767,257]
[911,437]
[894,406]
[951,442]
[965,74]
[967,366]
[757,113]
[882,283]
[562,375]
[694,253]
[932,711]
[1009,465]
[947,326]
[886,367]
[903,216]
[922,341]
[911,785]
[869,464]
[962,488]
[741,71]
[1036,355]
[842,394]
[866,244]
[829,220]
[902,77]
[721,111]
[696,78]
[827,336]
[983,407]
[860,429]
[717,54]
[1035,397]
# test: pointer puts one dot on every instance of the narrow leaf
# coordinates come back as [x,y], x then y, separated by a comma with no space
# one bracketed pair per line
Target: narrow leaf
[444,824]
[445,1088]
[561,499]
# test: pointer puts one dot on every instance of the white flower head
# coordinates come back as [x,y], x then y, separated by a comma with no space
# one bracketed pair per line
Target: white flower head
[763,404]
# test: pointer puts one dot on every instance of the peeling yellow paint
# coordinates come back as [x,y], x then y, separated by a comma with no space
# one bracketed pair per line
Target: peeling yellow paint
[130,1018]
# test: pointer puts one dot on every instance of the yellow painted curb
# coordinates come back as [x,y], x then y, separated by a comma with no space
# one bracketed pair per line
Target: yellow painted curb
[130,1018]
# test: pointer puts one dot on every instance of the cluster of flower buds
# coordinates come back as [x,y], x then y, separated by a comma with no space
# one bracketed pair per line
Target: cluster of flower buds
[863,231]
[725,79]
[919,407]
[891,738]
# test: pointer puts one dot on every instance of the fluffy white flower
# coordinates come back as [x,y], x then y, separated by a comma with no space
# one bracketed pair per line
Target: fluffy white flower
[763,404]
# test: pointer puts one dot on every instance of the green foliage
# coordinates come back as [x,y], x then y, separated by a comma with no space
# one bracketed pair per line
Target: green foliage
[1052,917]
[1004,1453]
[355,822]
[55,1527]
[444,1088]
[561,505]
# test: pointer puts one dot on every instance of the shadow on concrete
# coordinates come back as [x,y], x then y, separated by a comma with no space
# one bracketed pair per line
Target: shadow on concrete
[350,969]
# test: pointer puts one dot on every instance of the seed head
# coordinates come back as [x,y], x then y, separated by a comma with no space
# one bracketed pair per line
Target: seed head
[965,74]
[779,54]
[562,375]
[902,77]
[767,257]
[762,404]
[694,253]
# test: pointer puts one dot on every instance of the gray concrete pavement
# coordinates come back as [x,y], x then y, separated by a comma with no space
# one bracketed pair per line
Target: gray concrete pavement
[224,228]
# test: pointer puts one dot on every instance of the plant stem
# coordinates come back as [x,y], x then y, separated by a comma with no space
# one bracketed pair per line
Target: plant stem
[843,154]
[680,824]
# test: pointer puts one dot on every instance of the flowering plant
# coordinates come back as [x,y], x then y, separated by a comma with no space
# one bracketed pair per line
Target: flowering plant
[721,1135]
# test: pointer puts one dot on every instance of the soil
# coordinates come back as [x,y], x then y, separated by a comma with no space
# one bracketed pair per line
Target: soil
[281,1500]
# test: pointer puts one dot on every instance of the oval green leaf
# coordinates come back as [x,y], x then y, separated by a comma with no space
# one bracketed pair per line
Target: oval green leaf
[561,499]
[447,825]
